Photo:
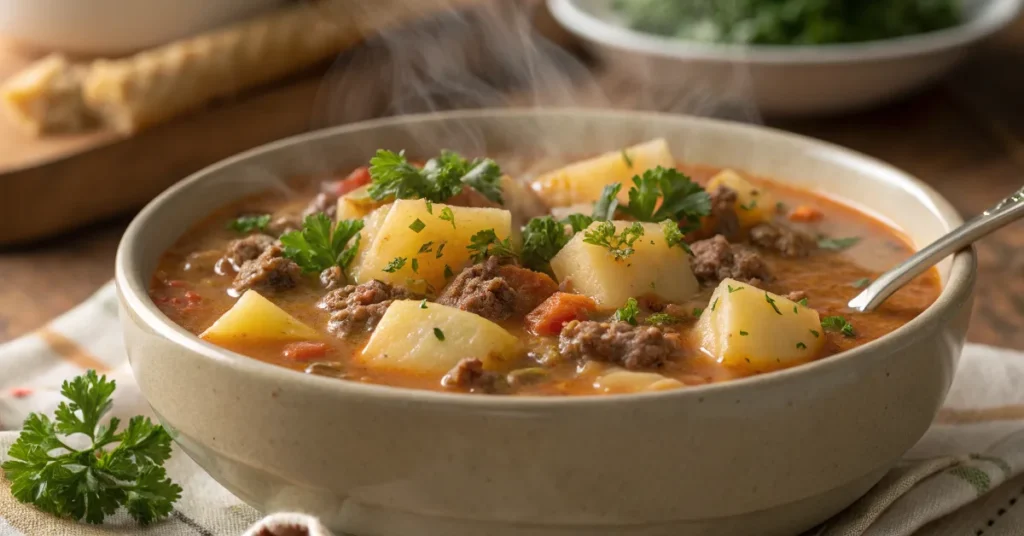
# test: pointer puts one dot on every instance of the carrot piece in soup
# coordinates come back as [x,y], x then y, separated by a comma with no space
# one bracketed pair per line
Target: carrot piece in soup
[304,350]
[359,177]
[549,317]
[805,213]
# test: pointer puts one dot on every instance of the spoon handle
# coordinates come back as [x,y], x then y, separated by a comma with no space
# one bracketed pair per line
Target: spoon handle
[1006,211]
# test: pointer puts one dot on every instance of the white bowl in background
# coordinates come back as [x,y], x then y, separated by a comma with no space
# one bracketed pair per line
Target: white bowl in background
[112,27]
[779,79]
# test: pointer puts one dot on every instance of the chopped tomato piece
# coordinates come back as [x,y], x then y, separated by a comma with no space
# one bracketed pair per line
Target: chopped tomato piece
[359,177]
[304,351]
[193,297]
[806,214]
[562,307]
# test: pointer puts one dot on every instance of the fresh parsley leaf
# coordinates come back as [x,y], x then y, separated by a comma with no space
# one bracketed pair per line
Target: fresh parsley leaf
[801,346]
[317,247]
[608,203]
[443,177]
[486,243]
[674,236]
[417,225]
[248,224]
[815,333]
[666,194]
[620,245]
[731,290]
[714,304]
[627,159]
[448,215]
[430,207]
[749,206]
[837,244]
[578,222]
[627,313]
[395,265]
[440,250]
[92,483]
[427,247]
[743,333]
[771,302]
[415,266]
[838,324]
[697,311]
[543,238]
[861,283]
[661,319]
[448,274]
[423,304]
[803,302]
[439,334]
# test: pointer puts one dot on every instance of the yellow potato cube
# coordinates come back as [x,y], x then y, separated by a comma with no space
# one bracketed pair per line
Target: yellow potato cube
[654,269]
[390,233]
[434,339]
[356,204]
[582,182]
[754,205]
[255,318]
[747,326]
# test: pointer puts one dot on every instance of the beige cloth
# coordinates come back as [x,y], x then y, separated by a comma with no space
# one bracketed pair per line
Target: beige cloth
[965,477]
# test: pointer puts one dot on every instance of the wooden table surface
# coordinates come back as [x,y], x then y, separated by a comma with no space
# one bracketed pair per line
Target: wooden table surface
[965,136]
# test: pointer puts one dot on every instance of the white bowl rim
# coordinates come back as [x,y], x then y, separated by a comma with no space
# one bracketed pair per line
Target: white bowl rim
[994,16]
[133,286]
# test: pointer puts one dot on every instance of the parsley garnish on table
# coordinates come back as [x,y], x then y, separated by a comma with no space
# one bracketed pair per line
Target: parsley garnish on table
[93,482]
[392,176]
[316,247]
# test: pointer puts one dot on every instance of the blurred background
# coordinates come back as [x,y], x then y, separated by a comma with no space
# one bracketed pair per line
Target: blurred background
[108,102]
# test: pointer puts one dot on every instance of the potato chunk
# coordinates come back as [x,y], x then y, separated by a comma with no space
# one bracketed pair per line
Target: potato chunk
[255,318]
[582,182]
[432,340]
[390,233]
[747,326]
[356,204]
[625,381]
[754,205]
[654,269]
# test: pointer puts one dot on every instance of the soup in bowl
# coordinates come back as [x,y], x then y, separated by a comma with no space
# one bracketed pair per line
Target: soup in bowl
[558,321]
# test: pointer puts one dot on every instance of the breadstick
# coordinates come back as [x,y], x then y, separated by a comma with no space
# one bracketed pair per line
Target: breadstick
[46,97]
[162,83]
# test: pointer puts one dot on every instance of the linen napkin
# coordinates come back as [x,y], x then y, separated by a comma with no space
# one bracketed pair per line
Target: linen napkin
[965,477]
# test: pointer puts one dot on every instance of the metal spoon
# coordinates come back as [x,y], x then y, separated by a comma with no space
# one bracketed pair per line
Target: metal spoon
[1006,211]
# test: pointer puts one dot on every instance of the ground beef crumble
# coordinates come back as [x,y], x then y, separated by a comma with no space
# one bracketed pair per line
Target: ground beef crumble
[469,375]
[716,259]
[358,308]
[332,278]
[243,250]
[782,239]
[270,271]
[722,220]
[498,289]
[633,347]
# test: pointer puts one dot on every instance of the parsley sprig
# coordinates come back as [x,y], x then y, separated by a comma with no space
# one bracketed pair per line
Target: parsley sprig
[628,312]
[392,176]
[838,324]
[93,482]
[317,247]
[486,243]
[543,238]
[250,223]
[619,244]
[666,194]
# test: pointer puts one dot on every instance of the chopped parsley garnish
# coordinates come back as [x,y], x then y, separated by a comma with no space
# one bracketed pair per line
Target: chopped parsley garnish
[543,238]
[392,176]
[423,304]
[697,311]
[417,225]
[674,236]
[620,245]
[316,247]
[608,203]
[861,283]
[427,248]
[743,333]
[749,206]
[680,198]
[731,290]
[395,265]
[415,266]
[714,304]
[627,313]
[815,333]
[661,319]
[838,324]
[801,346]
[248,224]
[578,222]
[96,481]
[771,302]
[486,243]
[837,244]
[440,250]
[430,207]
[795,311]
[448,272]
[448,215]
[803,301]
[439,334]
[627,159]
